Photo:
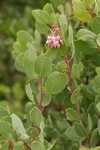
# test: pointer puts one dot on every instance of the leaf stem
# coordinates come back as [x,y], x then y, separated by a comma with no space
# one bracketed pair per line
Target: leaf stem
[41,95]
[70,85]
[88,141]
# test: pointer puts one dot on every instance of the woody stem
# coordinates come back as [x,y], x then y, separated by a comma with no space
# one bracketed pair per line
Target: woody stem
[41,95]
[70,85]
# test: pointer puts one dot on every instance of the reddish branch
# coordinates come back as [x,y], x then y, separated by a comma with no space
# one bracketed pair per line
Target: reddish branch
[88,141]
[11,144]
[41,96]
[70,85]
[26,146]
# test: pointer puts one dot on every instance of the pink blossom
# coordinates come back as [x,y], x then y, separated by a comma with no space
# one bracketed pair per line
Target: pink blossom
[54,41]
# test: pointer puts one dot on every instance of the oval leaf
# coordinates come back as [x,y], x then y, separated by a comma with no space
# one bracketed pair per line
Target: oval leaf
[29,93]
[80,130]
[71,115]
[96,25]
[41,16]
[43,66]
[17,124]
[56,82]
[37,146]
[36,116]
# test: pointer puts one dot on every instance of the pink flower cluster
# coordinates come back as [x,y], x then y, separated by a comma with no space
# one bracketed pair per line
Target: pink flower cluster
[54,41]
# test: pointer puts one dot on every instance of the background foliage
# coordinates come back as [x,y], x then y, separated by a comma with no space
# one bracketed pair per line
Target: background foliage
[63,85]
[14,16]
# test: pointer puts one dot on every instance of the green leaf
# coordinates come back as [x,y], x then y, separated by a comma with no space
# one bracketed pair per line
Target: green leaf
[76,96]
[19,62]
[28,107]
[96,8]
[32,130]
[63,25]
[99,126]
[98,39]
[23,38]
[95,138]
[32,52]
[5,127]
[89,3]
[50,131]
[42,28]
[95,58]
[19,146]
[3,112]
[29,59]
[43,66]
[80,130]
[62,66]
[52,145]
[24,136]
[5,146]
[89,122]
[37,47]
[77,70]
[96,83]
[80,11]
[29,66]
[71,135]
[86,47]
[37,146]
[48,8]
[84,34]
[17,47]
[29,93]
[96,25]
[37,36]
[98,106]
[70,38]
[17,124]
[6,119]
[56,82]
[41,135]
[36,116]
[52,53]
[98,70]
[56,3]
[63,49]
[86,92]
[91,108]
[61,9]
[72,115]
[46,100]
[15,54]
[97,100]
[41,16]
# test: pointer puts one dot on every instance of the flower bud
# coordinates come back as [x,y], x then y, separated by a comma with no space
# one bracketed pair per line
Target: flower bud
[54,41]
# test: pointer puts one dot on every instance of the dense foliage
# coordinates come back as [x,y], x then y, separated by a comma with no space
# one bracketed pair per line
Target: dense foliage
[14,16]
[61,62]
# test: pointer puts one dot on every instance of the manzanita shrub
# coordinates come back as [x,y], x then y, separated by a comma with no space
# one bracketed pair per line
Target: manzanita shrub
[62,64]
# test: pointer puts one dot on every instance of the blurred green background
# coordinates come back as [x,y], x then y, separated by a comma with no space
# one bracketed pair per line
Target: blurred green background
[15,15]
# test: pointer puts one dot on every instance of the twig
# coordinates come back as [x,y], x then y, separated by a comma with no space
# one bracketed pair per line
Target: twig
[41,96]
[70,85]
[88,141]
